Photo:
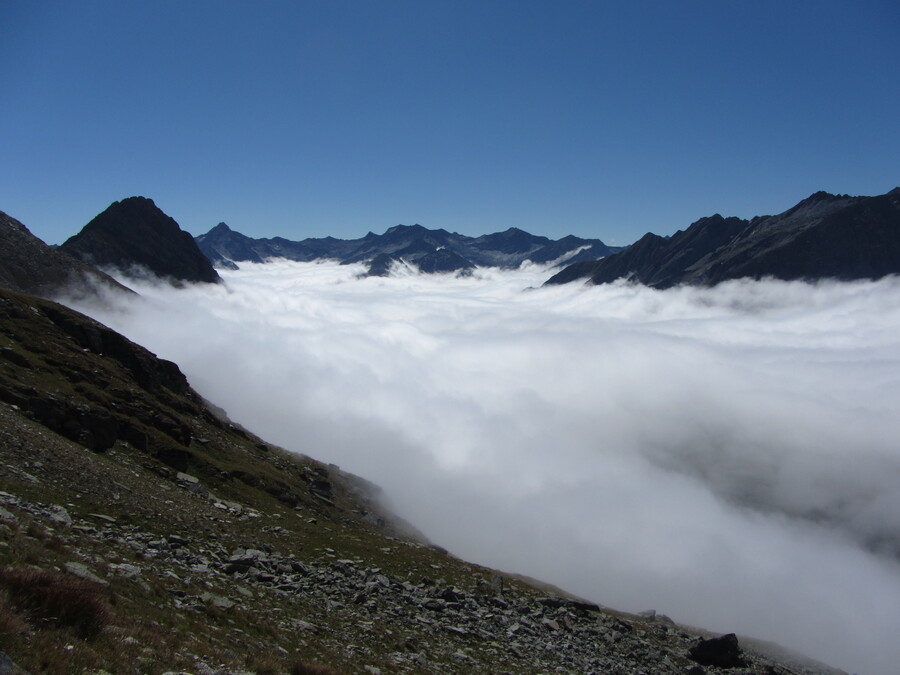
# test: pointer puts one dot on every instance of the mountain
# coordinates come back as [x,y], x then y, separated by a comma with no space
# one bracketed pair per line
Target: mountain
[135,233]
[427,250]
[28,265]
[823,237]
[143,531]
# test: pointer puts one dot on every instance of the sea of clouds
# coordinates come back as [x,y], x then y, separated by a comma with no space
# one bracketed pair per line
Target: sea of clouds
[726,456]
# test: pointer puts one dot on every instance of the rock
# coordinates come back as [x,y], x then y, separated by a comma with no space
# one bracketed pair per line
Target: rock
[244,560]
[550,624]
[722,652]
[8,667]
[82,572]
[58,514]
[126,570]
[217,601]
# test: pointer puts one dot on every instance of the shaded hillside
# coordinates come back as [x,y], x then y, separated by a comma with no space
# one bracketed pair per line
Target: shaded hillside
[823,237]
[28,265]
[427,250]
[144,532]
[135,233]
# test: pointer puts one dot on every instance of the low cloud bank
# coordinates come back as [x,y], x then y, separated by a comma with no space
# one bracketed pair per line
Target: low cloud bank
[727,456]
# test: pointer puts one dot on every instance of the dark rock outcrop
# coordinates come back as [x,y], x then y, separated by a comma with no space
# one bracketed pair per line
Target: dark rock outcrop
[721,652]
[28,265]
[134,234]
[823,237]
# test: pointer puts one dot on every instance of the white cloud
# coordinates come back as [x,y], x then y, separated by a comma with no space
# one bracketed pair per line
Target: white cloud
[727,456]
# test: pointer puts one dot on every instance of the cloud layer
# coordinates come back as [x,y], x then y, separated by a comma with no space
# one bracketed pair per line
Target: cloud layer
[726,456]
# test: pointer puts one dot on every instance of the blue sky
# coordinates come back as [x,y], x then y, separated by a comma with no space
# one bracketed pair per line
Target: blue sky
[338,117]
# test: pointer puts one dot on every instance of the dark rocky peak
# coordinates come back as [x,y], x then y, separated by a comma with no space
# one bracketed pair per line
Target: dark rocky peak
[223,246]
[221,228]
[818,204]
[406,229]
[414,232]
[512,240]
[714,227]
[135,233]
[381,266]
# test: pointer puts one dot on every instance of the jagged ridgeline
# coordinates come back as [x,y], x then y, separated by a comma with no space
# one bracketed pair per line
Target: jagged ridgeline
[429,251]
[823,237]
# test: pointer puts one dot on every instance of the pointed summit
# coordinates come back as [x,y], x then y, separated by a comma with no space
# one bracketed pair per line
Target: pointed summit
[221,228]
[135,232]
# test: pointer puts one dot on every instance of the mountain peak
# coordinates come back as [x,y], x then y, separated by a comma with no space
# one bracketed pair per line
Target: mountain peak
[135,232]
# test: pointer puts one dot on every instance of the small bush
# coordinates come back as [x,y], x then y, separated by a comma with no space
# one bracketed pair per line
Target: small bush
[11,624]
[53,597]
[264,665]
[300,668]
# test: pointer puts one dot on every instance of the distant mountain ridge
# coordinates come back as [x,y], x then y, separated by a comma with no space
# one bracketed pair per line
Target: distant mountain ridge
[824,236]
[135,232]
[428,250]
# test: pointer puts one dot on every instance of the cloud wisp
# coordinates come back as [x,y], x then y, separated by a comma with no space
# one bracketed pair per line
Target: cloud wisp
[727,456]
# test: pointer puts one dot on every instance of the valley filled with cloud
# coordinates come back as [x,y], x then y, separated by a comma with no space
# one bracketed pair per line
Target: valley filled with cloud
[727,456]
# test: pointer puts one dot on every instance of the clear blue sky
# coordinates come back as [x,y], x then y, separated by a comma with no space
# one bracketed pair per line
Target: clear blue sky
[601,119]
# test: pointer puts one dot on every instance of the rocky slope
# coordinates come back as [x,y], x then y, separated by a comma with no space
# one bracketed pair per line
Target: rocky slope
[30,266]
[428,250]
[135,233]
[824,236]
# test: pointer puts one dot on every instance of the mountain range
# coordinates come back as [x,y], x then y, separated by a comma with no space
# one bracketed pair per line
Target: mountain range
[825,236]
[141,530]
[428,250]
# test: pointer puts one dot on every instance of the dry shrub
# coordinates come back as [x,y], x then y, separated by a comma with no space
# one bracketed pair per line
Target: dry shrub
[35,531]
[11,624]
[56,598]
[264,664]
[300,668]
